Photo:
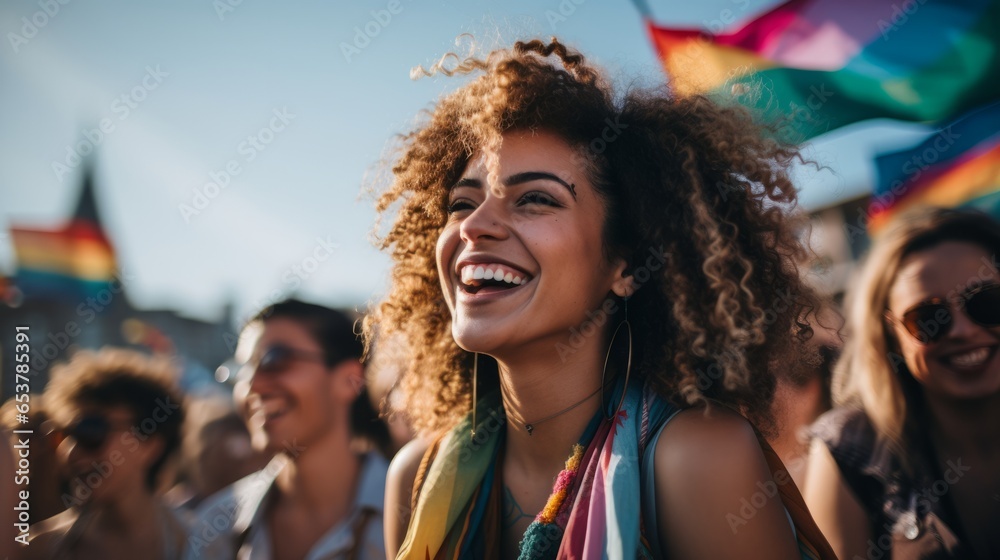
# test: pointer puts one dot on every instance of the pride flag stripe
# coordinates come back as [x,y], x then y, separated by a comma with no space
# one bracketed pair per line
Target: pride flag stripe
[827,64]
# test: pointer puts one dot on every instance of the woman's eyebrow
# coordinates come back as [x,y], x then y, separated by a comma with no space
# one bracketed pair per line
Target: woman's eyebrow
[527,176]
[517,179]
[468,182]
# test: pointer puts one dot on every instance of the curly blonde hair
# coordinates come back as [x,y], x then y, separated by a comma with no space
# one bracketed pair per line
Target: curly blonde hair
[704,186]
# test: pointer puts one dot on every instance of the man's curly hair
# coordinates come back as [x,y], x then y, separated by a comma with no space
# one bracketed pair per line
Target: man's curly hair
[704,185]
[116,377]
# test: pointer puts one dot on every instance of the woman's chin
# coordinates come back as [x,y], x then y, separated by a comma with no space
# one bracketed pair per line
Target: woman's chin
[477,338]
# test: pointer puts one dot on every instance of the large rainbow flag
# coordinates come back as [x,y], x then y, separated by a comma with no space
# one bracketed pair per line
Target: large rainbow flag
[823,64]
[957,164]
[71,262]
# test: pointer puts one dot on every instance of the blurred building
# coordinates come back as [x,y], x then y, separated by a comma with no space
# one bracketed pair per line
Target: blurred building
[839,236]
[69,290]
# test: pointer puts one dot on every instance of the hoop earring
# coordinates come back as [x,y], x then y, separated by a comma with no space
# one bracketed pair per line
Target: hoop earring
[628,366]
[475,384]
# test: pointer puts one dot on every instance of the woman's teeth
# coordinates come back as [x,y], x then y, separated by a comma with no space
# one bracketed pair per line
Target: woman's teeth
[474,275]
[971,358]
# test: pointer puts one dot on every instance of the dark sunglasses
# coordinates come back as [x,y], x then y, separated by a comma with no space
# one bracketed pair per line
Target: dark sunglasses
[89,432]
[931,320]
[279,358]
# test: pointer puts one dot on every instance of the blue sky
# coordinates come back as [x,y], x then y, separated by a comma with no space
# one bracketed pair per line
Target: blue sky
[299,101]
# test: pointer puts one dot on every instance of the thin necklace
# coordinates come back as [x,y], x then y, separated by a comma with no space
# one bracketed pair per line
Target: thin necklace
[530,426]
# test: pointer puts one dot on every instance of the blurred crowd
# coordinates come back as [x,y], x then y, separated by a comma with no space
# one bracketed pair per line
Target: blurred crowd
[892,434]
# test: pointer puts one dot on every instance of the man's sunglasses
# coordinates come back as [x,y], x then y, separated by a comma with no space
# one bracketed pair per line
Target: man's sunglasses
[931,320]
[279,358]
[89,432]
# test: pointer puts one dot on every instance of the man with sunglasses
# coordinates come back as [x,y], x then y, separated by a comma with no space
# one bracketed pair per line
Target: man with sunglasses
[116,422]
[303,393]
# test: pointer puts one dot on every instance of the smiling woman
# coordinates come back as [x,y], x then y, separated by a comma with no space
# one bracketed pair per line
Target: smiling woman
[569,262]
[907,464]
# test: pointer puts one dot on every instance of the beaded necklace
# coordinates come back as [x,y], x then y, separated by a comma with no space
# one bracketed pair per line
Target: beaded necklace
[542,537]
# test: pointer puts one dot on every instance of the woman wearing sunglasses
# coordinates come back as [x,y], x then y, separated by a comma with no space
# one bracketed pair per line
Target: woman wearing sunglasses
[321,496]
[907,466]
[117,423]
[573,267]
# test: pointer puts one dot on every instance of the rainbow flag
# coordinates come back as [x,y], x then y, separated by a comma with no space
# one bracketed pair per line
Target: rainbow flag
[958,164]
[989,203]
[7,293]
[69,262]
[824,64]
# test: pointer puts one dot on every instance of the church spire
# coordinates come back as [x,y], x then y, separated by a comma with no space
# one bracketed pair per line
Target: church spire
[86,204]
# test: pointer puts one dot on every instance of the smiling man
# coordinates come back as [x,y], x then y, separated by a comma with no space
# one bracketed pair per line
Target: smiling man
[305,401]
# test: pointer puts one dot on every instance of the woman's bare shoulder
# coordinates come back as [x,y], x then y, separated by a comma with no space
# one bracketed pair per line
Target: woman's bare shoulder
[406,462]
[685,438]
[707,463]
[399,491]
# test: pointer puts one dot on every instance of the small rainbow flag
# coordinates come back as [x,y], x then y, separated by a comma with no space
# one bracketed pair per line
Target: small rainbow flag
[70,262]
[958,164]
[823,64]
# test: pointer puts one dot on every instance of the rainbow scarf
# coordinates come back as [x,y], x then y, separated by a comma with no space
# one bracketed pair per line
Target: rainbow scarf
[593,512]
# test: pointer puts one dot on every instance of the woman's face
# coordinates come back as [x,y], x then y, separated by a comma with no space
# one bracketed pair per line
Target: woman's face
[522,263]
[964,362]
[292,400]
[105,454]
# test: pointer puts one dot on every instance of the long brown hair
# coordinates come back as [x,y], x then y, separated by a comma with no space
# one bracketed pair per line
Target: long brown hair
[871,373]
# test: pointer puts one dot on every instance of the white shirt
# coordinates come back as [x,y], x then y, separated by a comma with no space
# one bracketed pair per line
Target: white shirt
[231,523]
